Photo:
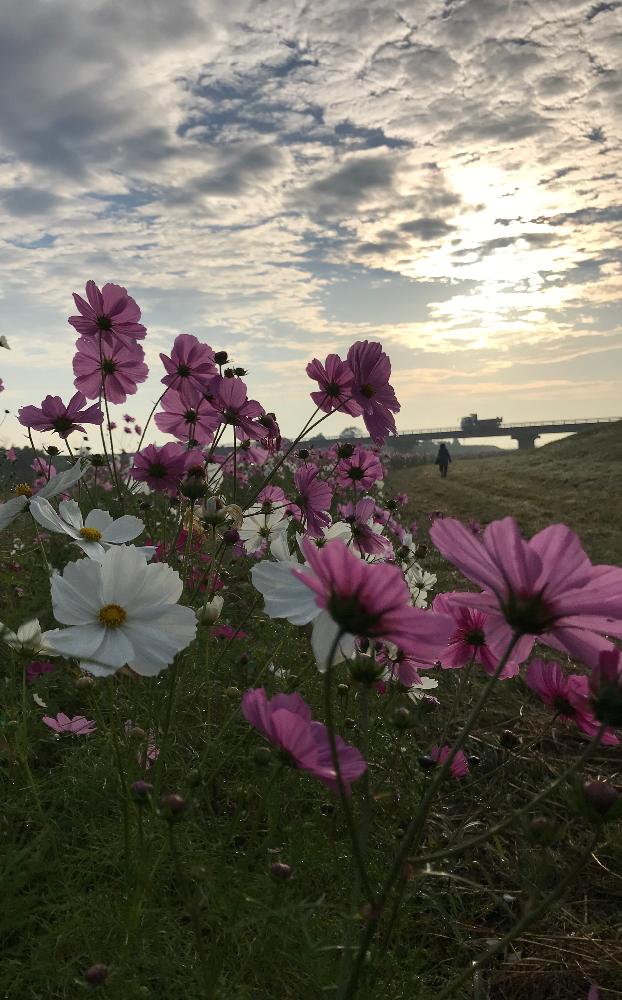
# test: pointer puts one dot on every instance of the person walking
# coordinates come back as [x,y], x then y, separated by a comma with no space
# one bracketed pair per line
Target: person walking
[443,459]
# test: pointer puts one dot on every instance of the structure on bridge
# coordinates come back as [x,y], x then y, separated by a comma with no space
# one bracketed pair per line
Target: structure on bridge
[525,434]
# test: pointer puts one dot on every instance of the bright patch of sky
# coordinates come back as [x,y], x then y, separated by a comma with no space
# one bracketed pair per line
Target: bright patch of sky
[284,179]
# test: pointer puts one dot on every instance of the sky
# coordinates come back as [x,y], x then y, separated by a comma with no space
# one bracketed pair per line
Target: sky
[283,179]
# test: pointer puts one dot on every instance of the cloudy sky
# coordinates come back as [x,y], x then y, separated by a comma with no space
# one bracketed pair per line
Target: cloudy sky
[283,178]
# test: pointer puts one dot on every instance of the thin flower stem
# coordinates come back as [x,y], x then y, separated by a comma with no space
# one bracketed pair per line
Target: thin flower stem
[305,430]
[122,778]
[149,418]
[357,852]
[527,921]
[416,827]
[209,984]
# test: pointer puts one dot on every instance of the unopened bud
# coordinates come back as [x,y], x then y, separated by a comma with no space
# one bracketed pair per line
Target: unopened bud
[172,806]
[141,791]
[345,450]
[402,718]
[509,739]
[221,357]
[96,975]
[281,871]
[602,797]
[427,762]
[84,682]
[211,610]
[303,454]
[230,536]
[365,669]
[232,692]
[262,756]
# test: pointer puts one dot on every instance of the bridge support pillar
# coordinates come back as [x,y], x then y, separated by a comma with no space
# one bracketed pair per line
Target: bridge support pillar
[526,438]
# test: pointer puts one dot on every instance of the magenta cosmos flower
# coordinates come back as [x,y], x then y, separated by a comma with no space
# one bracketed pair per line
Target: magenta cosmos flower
[468,639]
[286,722]
[361,470]
[117,366]
[313,497]
[110,310]
[190,366]
[335,379]
[365,539]
[160,466]
[235,409]
[54,415]
[189,417]
[459,766]
[568,695]
[369,599]
[62,724]
[545,589]
[371,369]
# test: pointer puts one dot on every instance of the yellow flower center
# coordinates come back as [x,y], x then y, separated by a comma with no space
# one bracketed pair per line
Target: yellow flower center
[90,535]
[23,490]
[112,615]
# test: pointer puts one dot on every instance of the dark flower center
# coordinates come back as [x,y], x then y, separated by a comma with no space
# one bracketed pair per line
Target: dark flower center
[564,707]
[350,615]
[332,389]
[63,424]
[368,390]
[104,323]
[190,416]
[355,473]
[475,637]
[157,470]
[528,615]
[109,366]
[183,370]
[231,417]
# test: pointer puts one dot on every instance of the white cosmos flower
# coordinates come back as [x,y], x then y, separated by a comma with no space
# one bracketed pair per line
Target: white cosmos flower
[29,638]
[58,484]
[120,611]
[288,597]
[95,535]
[257,529]
[419,582]
[419,691]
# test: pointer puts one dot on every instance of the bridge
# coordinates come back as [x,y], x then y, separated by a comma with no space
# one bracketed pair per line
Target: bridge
[525,434]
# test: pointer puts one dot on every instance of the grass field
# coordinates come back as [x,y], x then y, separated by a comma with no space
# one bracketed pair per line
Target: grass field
[87,876]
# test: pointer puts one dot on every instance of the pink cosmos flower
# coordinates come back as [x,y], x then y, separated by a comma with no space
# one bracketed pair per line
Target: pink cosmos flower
[54,415]
[37,668]
[285,721]
[361,470]
[190,366]
[371,369]
[110,310]
[1,385]
[546,588]
[568,695]
[468,640]
[160,466]
[229,398]
[606,688]
[189,417]
[459,766]
[11,455]
[129,419]
[335,379]
[364,538]
[225,631]
[313,497]
[118,366]
[78,726]
[369,599]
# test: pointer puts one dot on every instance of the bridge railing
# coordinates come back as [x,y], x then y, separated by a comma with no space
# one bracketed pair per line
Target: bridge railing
[525,423]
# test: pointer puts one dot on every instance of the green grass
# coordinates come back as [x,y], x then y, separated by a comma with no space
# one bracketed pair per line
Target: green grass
[71,898]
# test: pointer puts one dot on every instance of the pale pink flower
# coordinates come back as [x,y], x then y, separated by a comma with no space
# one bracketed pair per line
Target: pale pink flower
[160,466]
[230,399]
[110,310]
[371,369]
[118,366]
[468,639]
[285,720]
[62,724]
[190,366]
[313,497]
[335,379]
[189,417]
[361,470]
[54,415]
[459,766]
[568,695]
[546,588]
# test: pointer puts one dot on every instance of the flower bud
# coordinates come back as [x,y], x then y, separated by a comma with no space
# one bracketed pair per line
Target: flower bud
[602,798]
[240,372]
[52,451]
[345,450]
[542,830]
[402,718]
[221,357]
[193,488]
[304,454]
[509,739]
[172,806]
[230,536]
[96,975]
[211,610]
[232,692]
[427,762]
[262,756]
[85,681]
[97,461]
[141,791]
[421,551]
[281,871]
[136,733]
[343,690]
